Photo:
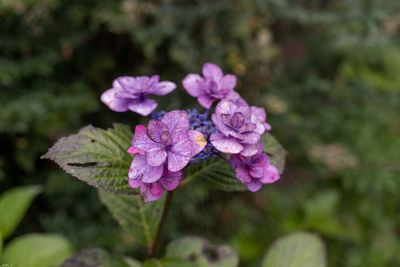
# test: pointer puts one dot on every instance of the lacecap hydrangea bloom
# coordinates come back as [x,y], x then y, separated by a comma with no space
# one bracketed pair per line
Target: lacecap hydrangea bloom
[240,130]
[172,140]
[128,93]
[255,170]
[213,86]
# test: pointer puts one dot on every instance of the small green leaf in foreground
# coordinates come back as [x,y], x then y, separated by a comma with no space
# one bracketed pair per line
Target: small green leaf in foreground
[13,205]
[296,250]
[36,250]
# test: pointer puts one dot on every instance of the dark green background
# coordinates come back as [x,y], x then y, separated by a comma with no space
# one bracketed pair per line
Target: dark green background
[327,72]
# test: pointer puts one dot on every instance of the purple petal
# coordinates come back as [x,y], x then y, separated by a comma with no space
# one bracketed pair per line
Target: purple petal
[271,174]
[191,84]
[259,113]
[158,132]
[254,186]
[151,192]
[251,138]
[236,160]
[228,81]
[171,180]
[156,157]
[198,141]
[226,144]
[180,155]
[142,142]
[135,183]
[242,174]
[125,83]
[206,101]
[177,122]
[115,104]
[144,107]
[225,107]
[212,72]
[164,88]
[249,150]
[236,99]
[256,171]
[152,174]
[140,169]
[221,126]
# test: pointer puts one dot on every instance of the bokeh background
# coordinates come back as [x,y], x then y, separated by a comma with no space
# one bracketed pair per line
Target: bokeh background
[327,72]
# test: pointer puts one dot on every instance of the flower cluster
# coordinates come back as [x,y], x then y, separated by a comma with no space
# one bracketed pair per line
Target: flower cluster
[172,140]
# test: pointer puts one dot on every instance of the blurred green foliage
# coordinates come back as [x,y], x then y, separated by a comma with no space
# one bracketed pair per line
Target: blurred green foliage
[326,71]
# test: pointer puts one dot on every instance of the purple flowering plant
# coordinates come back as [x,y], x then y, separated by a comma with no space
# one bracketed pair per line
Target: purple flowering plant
[227,145]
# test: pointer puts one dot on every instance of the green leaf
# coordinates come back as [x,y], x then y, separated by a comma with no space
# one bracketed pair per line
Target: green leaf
[1,243]
[96,156]
[138,218]
[201,253]
[299,249]
[99,257]
[275,151]
[36,250]
[168,262]
[216,171]
[13,205]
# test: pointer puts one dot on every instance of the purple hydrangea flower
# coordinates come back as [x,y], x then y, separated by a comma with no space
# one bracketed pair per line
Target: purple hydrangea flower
[215,85]
[128,93]
[154,190]
[167,140]
[255,170]
[260,113]
[240,131]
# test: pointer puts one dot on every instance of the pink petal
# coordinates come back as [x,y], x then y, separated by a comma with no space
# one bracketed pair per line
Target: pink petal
[212,71]
[115,104]
[164,88]
[228,81]
[144,107]
[190,83]
[206,101]
[132,150]
[226,144]
[271,174]
[147,192]
[198,141]
[254,186]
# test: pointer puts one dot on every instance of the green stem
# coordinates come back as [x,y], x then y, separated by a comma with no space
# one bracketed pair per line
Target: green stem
[157,239]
